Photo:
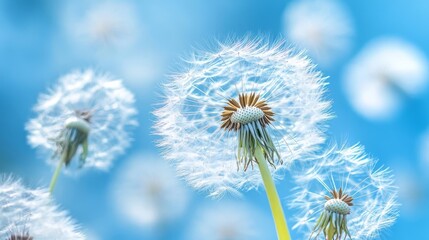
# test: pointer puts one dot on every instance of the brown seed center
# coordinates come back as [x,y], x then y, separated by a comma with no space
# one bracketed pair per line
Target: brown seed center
[341,196]
[247,109]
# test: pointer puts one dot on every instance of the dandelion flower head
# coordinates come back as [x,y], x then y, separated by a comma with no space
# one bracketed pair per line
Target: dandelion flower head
[28,214]
[383,72]
[322,27]
[343,194]
[147,192]
[85,112]
[245,93]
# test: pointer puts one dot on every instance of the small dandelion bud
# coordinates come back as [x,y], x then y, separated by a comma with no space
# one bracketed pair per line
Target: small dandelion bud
[85,113]
[343,195]
[31,214]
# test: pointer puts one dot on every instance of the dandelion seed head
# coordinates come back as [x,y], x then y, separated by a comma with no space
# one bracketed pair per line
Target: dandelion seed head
[84,107]
[147,193]
[344,191]
[385,71]
[337,205]
[28,214]
[233,94]
[322,27]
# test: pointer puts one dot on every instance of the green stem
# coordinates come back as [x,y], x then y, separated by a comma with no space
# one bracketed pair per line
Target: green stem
[273,197]
[57,173]
[330,231]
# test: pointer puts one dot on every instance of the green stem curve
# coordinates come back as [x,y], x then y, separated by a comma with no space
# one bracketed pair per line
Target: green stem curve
[273,197]
[57,172]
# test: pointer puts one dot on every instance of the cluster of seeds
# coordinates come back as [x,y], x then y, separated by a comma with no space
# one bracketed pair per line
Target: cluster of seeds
[248,109]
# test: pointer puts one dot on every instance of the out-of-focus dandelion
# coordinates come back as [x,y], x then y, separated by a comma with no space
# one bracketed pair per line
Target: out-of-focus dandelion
[147,193]
[322,27]
[412,191]
[342,194]
[101,23]
[247,103]
[228,221]
[28,214]
[87,113]
[383,72]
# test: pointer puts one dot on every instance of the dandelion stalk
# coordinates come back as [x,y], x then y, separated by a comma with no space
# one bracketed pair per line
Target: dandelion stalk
[273,197]
[57,173]
[330,232]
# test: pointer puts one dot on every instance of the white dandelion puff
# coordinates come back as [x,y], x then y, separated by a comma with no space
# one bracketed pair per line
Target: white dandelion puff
[322,27]
[245,94]
[28,214]
[411,190]
[84,113]
[385,71]
[343,194]
[248,103]
[147,193]
[108,23]
[228,221]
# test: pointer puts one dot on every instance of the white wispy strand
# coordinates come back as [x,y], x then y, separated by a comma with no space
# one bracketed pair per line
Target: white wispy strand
[33,211]
[112,113]
[323,27]
[385,71]
[189,120]
[372,187]
[147,193]
[228,221]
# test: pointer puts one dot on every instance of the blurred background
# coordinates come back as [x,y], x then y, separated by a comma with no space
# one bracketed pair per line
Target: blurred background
[142,42]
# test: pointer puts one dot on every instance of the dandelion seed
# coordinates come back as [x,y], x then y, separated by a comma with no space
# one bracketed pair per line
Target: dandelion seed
[344,195]
[147,193]
[322,27]
[28,214]
[246,104]
[86,113]
[385,71]
[228,221]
